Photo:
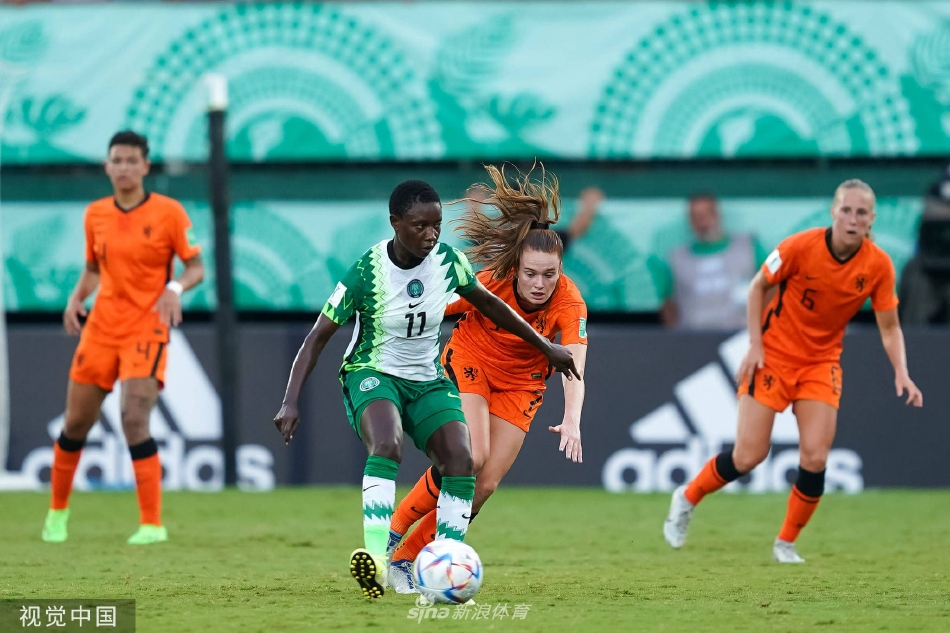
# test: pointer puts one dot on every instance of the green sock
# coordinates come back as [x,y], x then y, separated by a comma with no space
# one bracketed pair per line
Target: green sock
[379,497]
[455,507]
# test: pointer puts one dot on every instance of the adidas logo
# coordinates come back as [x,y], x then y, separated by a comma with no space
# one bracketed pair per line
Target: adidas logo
[673,442]
[186,425]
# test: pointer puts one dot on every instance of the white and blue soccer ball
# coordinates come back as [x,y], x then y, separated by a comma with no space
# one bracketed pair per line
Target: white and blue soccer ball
[448,571]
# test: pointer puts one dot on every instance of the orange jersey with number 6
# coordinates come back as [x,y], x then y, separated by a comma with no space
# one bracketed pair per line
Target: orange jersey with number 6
[818,294]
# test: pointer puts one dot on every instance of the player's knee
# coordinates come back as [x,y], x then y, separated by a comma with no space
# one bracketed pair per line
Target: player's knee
[390,448]
[813,459]
[135,427]
[479,458]
[457,462]
[746,459]
[136,409]
[485,487]
[77,427]
[481,449]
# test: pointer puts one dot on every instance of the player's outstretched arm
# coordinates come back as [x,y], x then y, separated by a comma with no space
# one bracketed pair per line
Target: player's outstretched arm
[288,418]
[570,428]
[502,315]
[87,284]
[893,338]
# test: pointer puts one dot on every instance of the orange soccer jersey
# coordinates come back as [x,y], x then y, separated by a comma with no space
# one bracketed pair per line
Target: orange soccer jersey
[123,337]
[135,251]
[510,373]
[803,327]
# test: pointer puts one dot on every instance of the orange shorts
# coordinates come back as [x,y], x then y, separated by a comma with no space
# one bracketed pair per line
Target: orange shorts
[777,385]
[513,403]
[99,364]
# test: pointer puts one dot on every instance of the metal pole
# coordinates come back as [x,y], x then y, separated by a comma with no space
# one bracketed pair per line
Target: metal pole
[9,76]
[226,317]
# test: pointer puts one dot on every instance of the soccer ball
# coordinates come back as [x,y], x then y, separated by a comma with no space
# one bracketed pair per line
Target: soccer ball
[448,571]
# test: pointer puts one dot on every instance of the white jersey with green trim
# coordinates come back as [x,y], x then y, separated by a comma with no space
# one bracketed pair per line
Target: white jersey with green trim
[399,311]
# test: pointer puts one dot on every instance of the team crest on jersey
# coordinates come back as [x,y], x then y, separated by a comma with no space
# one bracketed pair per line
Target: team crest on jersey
[859,283]
[415,288]
[369,383]
[540,323]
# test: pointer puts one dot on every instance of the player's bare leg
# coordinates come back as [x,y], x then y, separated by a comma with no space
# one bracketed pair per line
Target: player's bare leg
[753,439]
[506,442]
[478,420]
[423,497]
[817,422]
[450,450]
[83,404]
[753,434]
[138,398]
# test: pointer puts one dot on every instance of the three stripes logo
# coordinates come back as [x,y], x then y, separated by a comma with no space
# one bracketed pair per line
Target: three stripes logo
[673,442]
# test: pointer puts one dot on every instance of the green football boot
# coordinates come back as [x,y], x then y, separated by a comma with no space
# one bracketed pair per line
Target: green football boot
[148,534]
[54,529]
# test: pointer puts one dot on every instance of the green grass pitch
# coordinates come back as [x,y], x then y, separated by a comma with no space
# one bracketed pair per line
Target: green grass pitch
[584,560]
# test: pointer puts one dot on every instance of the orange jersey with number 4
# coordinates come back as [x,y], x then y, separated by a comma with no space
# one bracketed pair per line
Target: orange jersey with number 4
[818,294]
[135,250]
[520,364]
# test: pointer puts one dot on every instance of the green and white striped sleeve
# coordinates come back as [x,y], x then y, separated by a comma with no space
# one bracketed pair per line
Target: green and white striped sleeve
[346,297]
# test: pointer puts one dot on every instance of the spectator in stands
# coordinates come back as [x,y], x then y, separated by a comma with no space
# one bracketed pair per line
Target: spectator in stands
[925,282]
[588,205]
[473,197]
[704,283]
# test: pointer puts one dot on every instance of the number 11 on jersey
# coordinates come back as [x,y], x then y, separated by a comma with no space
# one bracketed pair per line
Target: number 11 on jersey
[412,319]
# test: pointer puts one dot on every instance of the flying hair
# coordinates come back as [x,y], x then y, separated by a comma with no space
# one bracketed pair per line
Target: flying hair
[526,209]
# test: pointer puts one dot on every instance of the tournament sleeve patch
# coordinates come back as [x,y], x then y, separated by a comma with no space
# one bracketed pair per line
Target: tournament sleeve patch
[773,262]
[338,293]
[464,276]
[190,237]
[582,330]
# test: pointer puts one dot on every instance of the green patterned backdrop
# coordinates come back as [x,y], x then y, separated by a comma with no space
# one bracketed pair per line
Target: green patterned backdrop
[289,255]
[434,80]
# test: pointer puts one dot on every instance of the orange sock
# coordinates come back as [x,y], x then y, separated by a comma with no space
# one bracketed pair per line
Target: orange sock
[65,461]
[710,479]
[800,509]
[148,481]
[420,537]
[420,501]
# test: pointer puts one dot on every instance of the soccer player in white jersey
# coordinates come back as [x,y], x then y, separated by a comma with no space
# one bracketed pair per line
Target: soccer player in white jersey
[393,382]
